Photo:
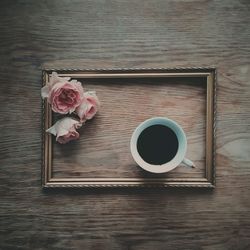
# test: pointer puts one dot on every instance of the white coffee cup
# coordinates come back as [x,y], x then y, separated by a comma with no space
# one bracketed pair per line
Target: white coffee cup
[179,156]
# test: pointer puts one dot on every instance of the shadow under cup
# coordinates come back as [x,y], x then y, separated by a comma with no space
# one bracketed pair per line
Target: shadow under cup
[169,165]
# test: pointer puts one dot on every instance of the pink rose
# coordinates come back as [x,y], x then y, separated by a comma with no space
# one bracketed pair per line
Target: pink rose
[89,106]
[52,81]
[63,95]
[65,130]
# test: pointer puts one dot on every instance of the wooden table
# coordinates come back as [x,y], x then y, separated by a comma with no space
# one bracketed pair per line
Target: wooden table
[104,34]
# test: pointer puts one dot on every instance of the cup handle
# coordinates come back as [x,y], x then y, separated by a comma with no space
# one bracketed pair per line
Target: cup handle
[188,163]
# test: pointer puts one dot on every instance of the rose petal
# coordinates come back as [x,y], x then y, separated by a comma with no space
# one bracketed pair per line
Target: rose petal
[89,106]
[45,91]
[55,79]
[63,126]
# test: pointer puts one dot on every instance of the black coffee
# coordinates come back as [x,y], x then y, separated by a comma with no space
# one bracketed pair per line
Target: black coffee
[157,144]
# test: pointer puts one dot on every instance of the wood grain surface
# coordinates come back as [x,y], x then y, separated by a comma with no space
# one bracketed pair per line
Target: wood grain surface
[104,34]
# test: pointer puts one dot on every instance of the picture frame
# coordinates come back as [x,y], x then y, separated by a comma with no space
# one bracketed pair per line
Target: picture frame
[206,180]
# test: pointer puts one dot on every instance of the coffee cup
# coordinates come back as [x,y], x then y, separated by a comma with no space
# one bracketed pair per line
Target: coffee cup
[158,145]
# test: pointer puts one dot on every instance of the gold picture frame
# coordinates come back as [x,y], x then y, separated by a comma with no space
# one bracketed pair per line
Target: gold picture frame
[49,181]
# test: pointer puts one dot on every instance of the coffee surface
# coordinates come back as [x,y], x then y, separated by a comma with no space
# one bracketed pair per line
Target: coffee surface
[157,144]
